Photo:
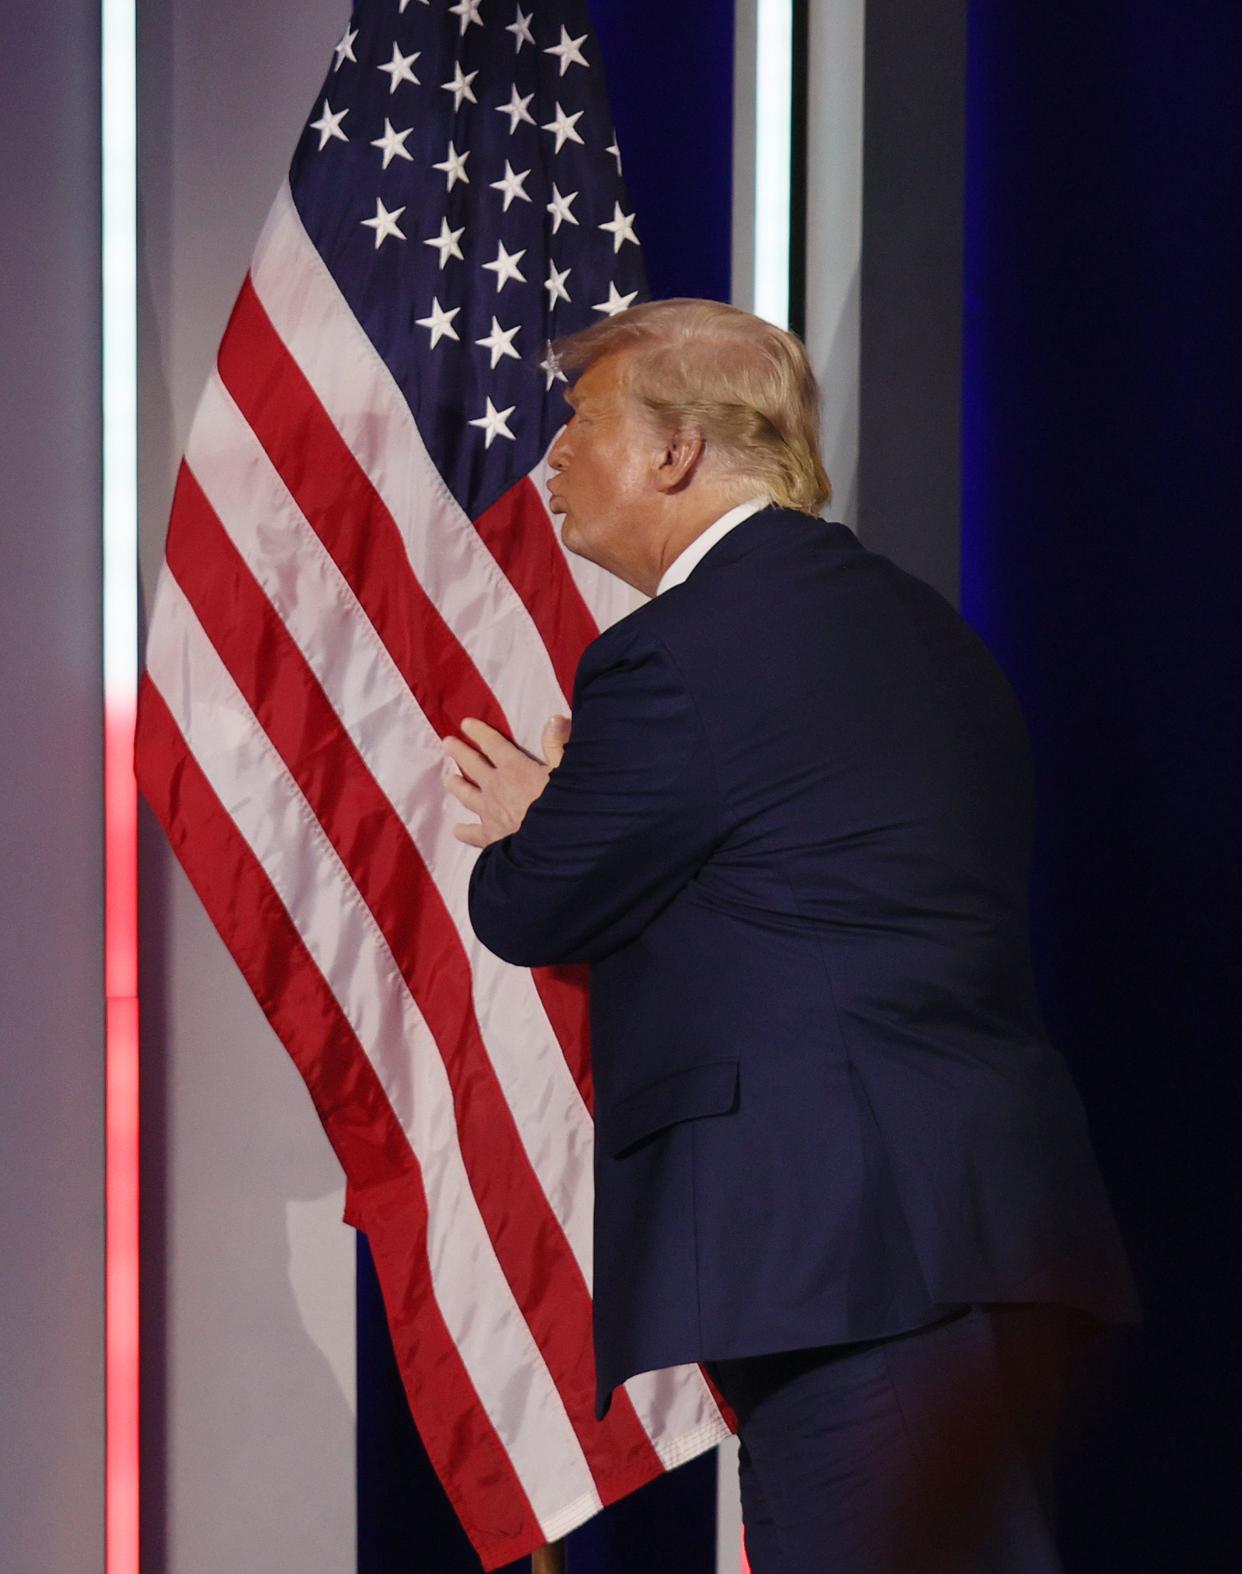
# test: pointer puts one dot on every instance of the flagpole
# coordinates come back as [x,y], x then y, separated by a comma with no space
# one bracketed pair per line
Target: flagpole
[549,1559]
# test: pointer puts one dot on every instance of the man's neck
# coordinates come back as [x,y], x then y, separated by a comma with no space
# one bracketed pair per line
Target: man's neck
[702,545]
[685,530]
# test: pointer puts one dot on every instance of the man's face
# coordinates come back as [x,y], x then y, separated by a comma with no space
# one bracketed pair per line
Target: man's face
[603,468]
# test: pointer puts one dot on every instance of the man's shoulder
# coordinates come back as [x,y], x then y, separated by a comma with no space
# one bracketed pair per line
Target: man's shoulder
[630,638]
[772,544]
[782,562]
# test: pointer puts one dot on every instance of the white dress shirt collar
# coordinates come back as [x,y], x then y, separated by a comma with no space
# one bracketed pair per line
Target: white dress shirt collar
[686,561]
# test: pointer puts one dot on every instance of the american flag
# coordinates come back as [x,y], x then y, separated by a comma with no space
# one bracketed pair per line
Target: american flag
[359,555]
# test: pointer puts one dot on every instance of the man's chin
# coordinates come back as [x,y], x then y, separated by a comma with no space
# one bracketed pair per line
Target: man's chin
[573,541]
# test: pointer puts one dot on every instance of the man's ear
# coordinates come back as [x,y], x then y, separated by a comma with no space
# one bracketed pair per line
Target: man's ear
[678,459]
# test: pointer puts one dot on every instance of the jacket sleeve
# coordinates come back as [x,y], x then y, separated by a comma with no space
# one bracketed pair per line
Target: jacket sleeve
[625,821]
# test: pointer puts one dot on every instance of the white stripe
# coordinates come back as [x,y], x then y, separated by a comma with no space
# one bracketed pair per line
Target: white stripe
[677,1409]
[402,752]
[446,552]
[482,1317]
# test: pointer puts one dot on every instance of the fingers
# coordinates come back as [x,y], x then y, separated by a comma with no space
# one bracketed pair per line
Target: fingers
[492,744]
[496,778]
[469,761]
[473,766]
[555,737]
[466,794]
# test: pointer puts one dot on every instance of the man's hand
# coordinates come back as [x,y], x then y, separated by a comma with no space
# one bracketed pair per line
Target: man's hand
[499,781]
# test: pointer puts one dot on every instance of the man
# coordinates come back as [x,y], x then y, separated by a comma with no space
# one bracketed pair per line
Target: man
[837,1159]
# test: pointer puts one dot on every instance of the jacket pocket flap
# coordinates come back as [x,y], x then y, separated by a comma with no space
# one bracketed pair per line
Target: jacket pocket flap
[709,1089]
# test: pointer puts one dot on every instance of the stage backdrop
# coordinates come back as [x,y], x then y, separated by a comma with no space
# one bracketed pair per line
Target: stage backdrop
[1100,559]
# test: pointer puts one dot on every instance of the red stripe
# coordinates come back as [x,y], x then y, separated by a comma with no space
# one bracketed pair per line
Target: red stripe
[241,901]
[520,535]
[352,521]
[564,993]
[350,518]
[376,848]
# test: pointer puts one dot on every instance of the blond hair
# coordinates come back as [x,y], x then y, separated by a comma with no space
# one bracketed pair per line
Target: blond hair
[743,384]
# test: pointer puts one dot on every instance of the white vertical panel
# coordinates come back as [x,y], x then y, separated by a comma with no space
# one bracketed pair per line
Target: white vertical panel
[773,158]
[834,234]
[834,204]
[728,1511]
[252,1352]
[762,162]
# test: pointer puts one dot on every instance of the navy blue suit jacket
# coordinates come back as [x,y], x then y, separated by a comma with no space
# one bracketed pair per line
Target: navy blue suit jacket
[790,834]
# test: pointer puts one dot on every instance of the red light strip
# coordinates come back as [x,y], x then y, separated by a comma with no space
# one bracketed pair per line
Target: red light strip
[121,1161]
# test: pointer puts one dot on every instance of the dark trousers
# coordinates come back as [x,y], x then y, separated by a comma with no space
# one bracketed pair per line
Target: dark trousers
[924,1453]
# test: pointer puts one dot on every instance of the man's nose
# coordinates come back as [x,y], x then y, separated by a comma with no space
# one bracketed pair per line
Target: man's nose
[558,458]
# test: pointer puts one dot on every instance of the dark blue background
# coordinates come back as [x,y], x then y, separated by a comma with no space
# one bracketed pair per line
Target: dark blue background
[670,79]
[1101,561]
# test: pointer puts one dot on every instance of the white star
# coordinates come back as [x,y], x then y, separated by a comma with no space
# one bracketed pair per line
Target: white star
[446,242]
[385,223]
[521,30]
[495,423]
[516,110]
[551,368]
[616,153]
[563,126]
[512,184]
[404,3]
[460,87]
[440,322]
[506,267]
[344,49]
[329,124]
[399,69]
[468,10]
[555,285]
[559,208]
[615,303]
[568,50]
[500,342]
[392,143]
[621,226]
[454,166]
